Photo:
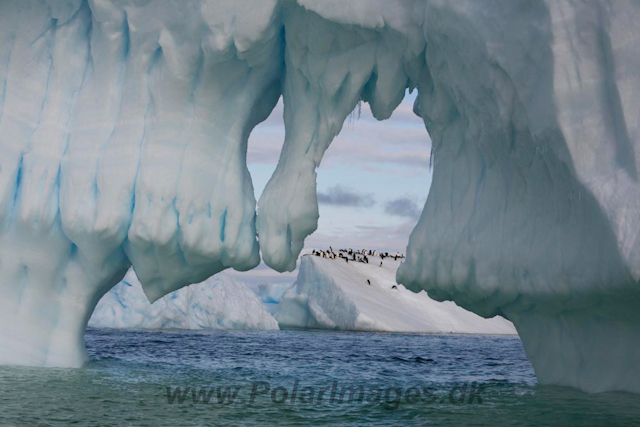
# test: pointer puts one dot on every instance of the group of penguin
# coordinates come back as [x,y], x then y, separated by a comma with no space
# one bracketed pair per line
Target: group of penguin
[356,256]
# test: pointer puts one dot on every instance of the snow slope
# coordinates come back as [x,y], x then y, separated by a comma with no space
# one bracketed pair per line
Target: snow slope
[219,302]
[331,294]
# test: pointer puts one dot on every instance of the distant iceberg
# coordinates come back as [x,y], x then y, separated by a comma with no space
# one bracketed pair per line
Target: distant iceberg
[220,302]
[333,294]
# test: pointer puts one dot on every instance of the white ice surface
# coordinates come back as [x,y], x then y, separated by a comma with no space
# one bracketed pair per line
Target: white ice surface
[333,294]
[219,302]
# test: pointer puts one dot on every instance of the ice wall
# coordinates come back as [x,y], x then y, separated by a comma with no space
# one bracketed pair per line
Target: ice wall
[123,132]
[123,128]
[534,208]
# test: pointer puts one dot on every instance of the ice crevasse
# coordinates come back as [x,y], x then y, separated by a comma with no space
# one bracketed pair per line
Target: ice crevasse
[123,136]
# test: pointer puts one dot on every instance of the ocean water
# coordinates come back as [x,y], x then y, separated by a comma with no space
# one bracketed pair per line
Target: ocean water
[185,378]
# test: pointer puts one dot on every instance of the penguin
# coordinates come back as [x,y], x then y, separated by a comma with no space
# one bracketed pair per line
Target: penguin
[380,263]
[394,287]
[369,282]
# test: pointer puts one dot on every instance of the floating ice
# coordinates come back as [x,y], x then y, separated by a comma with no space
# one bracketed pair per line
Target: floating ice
[123,132]
[333,294]
[220,302]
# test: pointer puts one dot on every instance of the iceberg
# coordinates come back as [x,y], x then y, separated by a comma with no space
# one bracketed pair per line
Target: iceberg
[123,137]
[220,302]
[354,296]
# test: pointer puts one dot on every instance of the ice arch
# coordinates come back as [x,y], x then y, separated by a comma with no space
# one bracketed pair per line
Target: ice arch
[124,124]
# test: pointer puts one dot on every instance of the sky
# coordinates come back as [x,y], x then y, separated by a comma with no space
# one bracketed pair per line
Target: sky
[372,184]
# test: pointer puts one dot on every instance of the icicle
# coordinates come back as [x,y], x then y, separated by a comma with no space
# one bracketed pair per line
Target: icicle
[351,119]
[431,159]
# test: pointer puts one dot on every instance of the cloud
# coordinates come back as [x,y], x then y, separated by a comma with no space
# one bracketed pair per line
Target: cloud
[338,196]
[403,206]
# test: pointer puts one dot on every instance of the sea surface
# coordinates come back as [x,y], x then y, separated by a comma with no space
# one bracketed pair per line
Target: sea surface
[186,378]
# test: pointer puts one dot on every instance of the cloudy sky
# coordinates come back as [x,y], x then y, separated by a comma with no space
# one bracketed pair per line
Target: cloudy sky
[372,183]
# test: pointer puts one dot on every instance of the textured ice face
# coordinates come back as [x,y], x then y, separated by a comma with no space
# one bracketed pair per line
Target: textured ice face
[123,128]
[533,210]
[124,124]
[219,302]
